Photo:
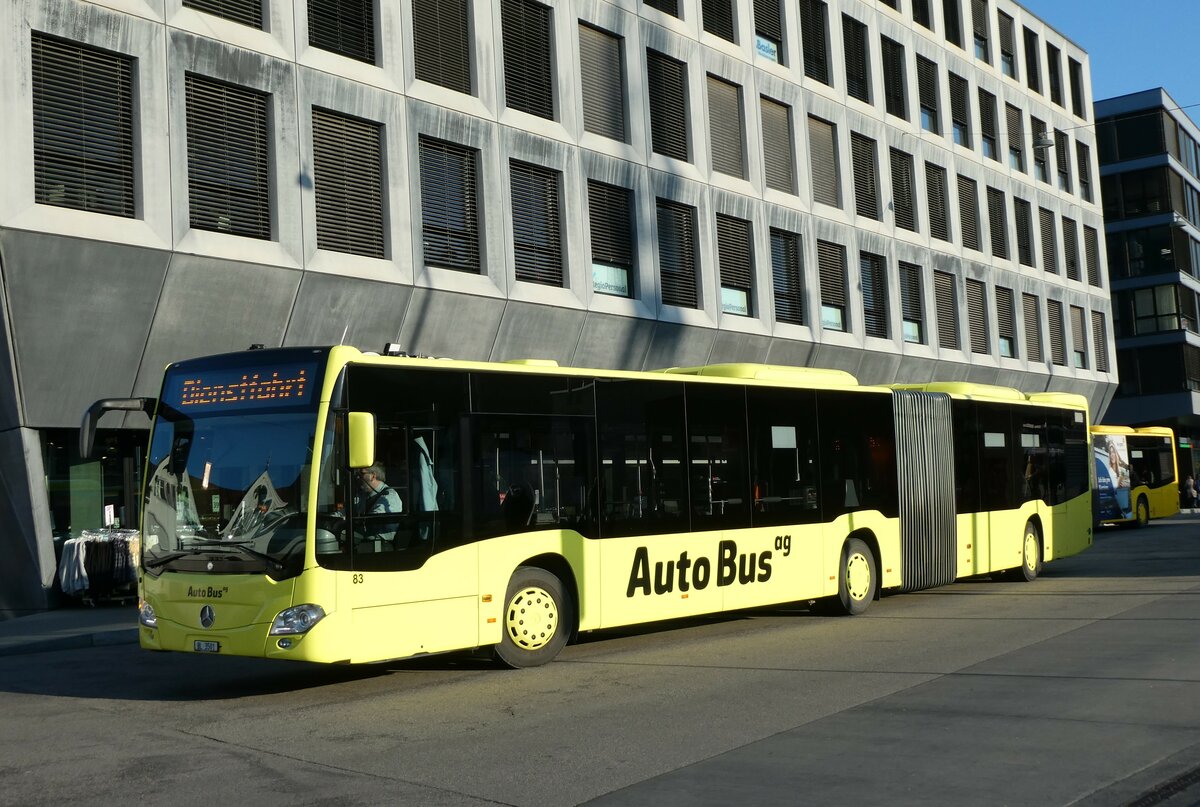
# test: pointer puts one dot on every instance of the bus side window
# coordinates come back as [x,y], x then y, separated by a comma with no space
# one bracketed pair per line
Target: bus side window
[785,468]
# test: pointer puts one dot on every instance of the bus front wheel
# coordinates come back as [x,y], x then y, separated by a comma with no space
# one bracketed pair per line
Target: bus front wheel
[537,619]
[857,579]
[1031,554]
[1143,512]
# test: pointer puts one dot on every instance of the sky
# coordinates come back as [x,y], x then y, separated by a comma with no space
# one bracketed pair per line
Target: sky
[1133,45]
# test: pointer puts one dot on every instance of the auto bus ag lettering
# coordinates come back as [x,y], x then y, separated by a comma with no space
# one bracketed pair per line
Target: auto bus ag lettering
[687,573]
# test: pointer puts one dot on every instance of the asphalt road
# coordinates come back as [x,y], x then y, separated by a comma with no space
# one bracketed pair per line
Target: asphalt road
[1081,688]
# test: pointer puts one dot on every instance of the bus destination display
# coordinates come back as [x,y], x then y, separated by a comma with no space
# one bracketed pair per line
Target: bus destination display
[288,384]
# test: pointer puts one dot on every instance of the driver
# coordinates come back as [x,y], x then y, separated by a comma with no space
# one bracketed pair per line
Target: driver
[376,496]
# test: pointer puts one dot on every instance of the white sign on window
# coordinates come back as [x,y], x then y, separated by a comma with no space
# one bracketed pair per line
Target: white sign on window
[610,279]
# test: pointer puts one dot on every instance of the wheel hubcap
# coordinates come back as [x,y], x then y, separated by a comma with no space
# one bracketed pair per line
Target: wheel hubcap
[532,618]
[1031,550]
[858,576]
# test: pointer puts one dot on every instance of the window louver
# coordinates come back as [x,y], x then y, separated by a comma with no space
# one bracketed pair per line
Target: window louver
[1024,215]
[987,114]
[734,253]
[1058,351]
[1006,314]
[1049,241]
[1008,42]
[442,43]
[725,127]
[979,24]
[1062,153]
[1091,249]
[1033,78]
[866,190]
[947,310]
[668,105]
[768,20]
[977,315]
[788,277]
[854,39]
[1016,135]
[824,162]
[1100,341]
[935,183]
[537,244]
[228,158]
[247,12]
[960,107]
[777,146]
[677,253]
[927,92]
[813,26]
[920,12]
[968,211]
[82,127]
[874,291]
[1078,337]
[1071,248]
[610,210]
[1083,159]
[831,266]
[903,200]
[449,205]
[1039,155]
[602,80]
[952,18]
[345,27]
[718,18]
[665,6]
[911,308]
[894,95]
[348,179]
[1033,328]
[998,219]
[527,67]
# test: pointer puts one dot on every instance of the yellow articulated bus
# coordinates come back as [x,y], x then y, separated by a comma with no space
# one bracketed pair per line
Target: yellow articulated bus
[328,505]
[1136,474]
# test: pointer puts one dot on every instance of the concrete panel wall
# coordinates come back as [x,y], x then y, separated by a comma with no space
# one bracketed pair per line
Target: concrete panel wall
[27,565]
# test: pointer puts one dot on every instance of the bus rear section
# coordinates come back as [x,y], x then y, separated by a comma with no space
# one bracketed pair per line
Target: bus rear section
[1136,474]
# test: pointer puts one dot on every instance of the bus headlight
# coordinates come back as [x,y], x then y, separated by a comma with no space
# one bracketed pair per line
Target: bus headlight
[146,615]
[297,619]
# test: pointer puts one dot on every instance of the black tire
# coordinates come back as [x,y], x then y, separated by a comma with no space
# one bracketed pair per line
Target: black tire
[537,620]
[1142,513]
[1031,554]
[858,579]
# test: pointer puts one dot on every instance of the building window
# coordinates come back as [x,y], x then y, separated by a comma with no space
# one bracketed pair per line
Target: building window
[778,157]
[1071,248]
[1062,152]
[960,110]
[946,303]
[935,185]
[537,243]
[602,81]
[903,194]
[788,277]
[831,265]
[952,18]
[677,253]
[1100,341]
[920,13]
[968,212]
[814,30]
[1049,240]
[344,27]
[1024,217]
[927,92]
[527,68]
[348,181]
[1091,249]
[228,158]
[894,94]
[987,124]
[1016,137]
[1078,338]
[858,71]
[449,205]
[1008,44]
[665,6]
[442,43]
[1041,166]
[866,185]
[911,306]
[1054,65]
[874,295]
[1083,157]
[822,144]
[610,216]
[667,80]
[1033,328]
[979,24]
[82,127]
[1006,322]
[717,16]
[1058,337]
[247,12]
[1075,76]
[998,221]
[725,127]
[768,29]
[977,316]
[1033,71]
[1157,309]
[736,262]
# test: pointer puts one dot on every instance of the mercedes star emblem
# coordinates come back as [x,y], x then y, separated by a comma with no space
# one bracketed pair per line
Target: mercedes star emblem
[207,616]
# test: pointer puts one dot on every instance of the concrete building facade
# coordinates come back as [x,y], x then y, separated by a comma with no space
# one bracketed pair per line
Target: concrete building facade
[906,190]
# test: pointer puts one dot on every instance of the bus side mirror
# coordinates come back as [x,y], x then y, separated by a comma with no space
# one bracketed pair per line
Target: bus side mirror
[361,433]
[87,427]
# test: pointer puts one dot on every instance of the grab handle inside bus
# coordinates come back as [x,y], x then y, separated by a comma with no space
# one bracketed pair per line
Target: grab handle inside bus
[87,428]
[361,434]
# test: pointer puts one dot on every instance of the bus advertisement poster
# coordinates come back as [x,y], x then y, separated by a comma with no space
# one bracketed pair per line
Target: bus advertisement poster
[1112,476]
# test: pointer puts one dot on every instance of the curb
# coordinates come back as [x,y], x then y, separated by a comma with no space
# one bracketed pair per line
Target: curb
[101,639]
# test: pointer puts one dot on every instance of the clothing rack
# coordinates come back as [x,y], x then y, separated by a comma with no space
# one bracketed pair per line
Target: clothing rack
[100,566]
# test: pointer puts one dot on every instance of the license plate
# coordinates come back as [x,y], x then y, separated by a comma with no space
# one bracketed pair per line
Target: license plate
[208,647]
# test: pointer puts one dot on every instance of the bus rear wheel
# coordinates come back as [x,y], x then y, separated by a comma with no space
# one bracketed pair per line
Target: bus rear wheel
[857,578]
[536,621]
[1143,512]
[1031,554]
